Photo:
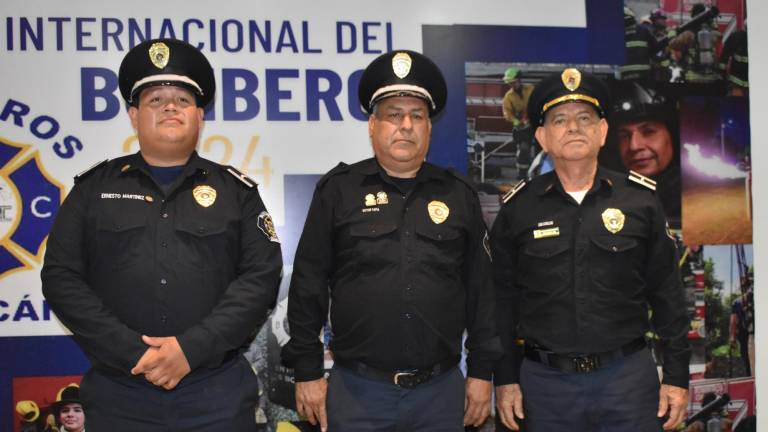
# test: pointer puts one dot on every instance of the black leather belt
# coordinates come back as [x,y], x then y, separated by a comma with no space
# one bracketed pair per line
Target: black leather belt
[581,363]
[407,378]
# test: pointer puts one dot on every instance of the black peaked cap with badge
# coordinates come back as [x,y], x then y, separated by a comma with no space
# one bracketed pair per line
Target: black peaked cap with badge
[402,73]
[160,62]
[571,85]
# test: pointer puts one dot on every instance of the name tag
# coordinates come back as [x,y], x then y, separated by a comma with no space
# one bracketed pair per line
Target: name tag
[544,233]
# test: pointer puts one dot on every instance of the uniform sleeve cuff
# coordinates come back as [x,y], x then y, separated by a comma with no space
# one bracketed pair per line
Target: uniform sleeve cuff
[480,370]
[677,381]
[507,370]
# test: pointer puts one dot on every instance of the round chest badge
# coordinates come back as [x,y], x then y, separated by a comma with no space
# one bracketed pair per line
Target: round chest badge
[204,195]
[613,219]
[438,211]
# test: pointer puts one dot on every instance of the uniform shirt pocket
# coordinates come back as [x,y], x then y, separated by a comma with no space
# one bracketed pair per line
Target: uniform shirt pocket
[544,264]
[615,262]
[372,247]
[120,237]
[440,246]
[202,245]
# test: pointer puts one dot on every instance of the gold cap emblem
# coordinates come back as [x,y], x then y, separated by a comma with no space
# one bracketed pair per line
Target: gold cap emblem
[438,211]
[159,54]
[204,195]
[401,64]
[148,198]
[571,78]
[613,219]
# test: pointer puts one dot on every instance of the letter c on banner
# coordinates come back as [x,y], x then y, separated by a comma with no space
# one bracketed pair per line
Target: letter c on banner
[34,209]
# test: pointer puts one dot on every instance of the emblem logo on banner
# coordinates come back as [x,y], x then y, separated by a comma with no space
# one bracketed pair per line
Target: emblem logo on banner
[29,200]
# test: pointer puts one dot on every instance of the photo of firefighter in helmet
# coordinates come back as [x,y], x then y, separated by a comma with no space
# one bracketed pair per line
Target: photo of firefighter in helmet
[645,139]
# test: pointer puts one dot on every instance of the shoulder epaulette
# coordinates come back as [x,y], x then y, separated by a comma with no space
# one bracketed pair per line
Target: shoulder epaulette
[642,180]
[91,169]
[515,189]
[338,169]
[244,179]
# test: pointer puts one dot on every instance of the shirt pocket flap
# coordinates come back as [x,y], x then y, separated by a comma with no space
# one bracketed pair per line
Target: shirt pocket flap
[614,243]
[372,230]
[546,248]
[200,228]
[438,233]
[122,221]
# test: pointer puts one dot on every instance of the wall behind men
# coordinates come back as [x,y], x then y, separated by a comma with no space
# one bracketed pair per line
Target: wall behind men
[286,107]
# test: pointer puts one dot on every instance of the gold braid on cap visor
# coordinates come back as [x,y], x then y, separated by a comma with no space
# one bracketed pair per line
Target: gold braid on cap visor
[570,97]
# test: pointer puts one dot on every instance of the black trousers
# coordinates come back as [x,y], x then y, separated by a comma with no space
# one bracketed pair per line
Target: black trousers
[222,399]
[622,397]
[359,404]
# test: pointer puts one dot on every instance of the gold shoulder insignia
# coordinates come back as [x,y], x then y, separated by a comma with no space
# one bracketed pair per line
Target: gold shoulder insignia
[242,177]
[642,180]
[92,168]
[515,189]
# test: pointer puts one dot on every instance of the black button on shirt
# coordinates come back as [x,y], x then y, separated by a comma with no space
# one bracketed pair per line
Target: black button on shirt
[105,276]
[580,288]
[356,252]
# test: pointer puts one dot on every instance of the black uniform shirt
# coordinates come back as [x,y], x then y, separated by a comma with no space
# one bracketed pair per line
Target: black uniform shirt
[404,282]
[580,288]
[125,259]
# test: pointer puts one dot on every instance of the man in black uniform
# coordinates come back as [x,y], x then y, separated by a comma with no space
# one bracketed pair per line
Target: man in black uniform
[162,263]
[399,248]
[580,256]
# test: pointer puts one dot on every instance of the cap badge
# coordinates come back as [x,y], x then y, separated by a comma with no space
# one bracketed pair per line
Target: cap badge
[571,78]
[159,54]
[204,195]
[613,219]
[401,64]
[438,211]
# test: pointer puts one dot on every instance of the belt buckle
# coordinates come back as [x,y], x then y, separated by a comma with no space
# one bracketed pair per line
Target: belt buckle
[587,363]
[406,375]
